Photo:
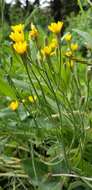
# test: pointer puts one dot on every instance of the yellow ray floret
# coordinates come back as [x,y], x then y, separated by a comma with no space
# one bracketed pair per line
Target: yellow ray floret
[18,27]
[46,51]
[20,47]
[56,27]
[14,105]
[17,36]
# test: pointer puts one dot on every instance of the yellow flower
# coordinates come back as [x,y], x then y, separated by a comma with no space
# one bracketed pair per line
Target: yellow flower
[54,43]
[46,51]
[14,105]
[56,27]
[70,63]
[20,47]
[74,46]
[34,32]
[17,36]
[68,37]
[18,27]
[68,53]
[32,99]
[50,48]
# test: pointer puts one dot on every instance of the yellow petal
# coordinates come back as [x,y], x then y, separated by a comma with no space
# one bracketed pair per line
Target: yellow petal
[55,27]
[20,47]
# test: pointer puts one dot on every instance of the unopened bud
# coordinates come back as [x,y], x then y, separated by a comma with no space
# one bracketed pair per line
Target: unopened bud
[89,73]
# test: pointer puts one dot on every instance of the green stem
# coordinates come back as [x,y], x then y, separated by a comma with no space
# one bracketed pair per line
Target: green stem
[80,5]
[62,137]
[31,82]
[59,62]
[43,94]
[33,164]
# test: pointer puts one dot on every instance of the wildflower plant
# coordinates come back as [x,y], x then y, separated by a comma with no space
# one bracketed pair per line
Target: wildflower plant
[47,97]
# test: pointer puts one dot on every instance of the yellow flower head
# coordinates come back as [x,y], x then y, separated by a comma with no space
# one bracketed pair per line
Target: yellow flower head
[32,99]
[18,28]
[46,51]
[68,53]
[68,37]
[54,43]
[17,36]
[20,47]
[70,63]
[34,32]
[74,46]
[14,105]
[56,27]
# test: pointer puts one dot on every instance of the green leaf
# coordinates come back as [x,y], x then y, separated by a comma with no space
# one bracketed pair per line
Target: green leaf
[6,112]
[50,186]
[20,83]
[76,185]
[52,104]
[41,168]
[6,90]
[87,37]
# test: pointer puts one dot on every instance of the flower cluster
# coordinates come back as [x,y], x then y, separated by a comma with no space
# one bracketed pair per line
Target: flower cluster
[73,46]
[49,49]
[20,45]
[17,35]
[71,49]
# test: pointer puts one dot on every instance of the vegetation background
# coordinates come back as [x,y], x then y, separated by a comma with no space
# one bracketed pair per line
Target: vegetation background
[46,144]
